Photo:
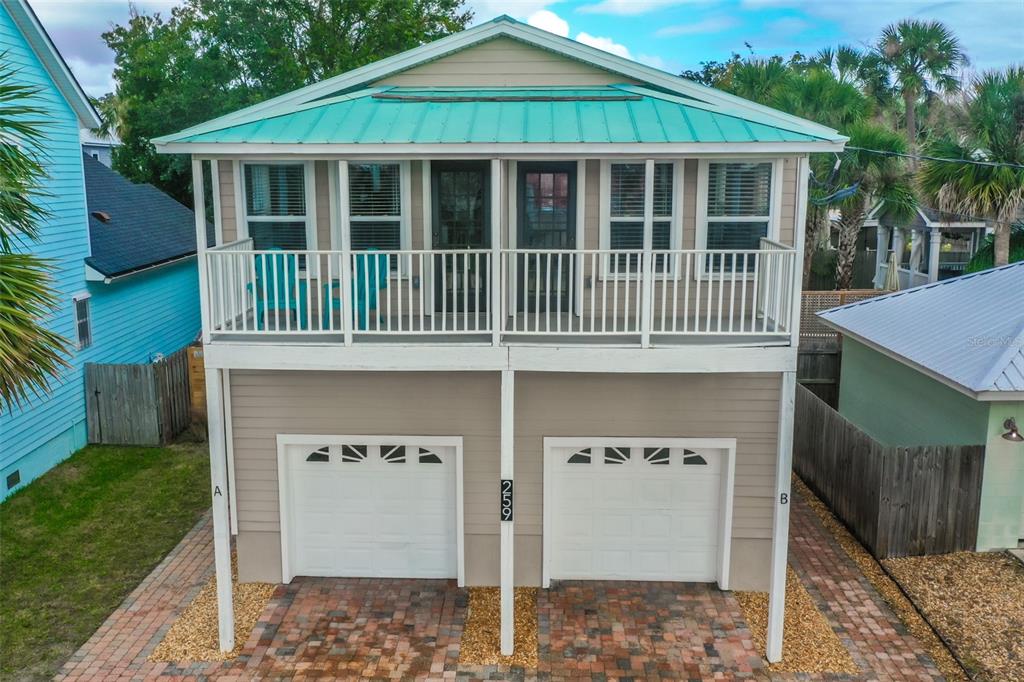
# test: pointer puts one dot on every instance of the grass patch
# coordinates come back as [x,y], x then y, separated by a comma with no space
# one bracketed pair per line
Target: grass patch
[78,540]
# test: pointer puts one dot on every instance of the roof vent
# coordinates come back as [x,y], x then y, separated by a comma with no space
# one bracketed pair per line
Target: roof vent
[101,216]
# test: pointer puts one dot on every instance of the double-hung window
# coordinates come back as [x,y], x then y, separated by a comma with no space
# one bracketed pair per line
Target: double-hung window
[277,209]
[626,202]
[377,210]
[738,209]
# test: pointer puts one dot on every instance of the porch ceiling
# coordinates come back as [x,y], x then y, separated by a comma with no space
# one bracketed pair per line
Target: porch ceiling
[617,114]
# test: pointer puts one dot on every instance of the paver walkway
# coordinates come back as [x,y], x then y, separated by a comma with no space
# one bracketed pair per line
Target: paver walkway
[403,629]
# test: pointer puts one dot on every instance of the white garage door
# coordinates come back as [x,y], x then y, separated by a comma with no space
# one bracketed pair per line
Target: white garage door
[636,513]
[358,510]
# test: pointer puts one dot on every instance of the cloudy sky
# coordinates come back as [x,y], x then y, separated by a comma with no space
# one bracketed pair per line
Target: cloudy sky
[668,34]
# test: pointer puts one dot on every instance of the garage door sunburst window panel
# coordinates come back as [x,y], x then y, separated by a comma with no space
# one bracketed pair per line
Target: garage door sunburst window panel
[580,457]
[353,453]
[616,455]
[393,454]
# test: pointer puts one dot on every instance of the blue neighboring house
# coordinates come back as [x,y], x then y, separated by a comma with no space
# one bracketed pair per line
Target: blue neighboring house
[124,255]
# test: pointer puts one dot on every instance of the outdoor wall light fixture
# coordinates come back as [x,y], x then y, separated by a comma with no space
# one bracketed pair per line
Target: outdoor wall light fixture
[1013,433]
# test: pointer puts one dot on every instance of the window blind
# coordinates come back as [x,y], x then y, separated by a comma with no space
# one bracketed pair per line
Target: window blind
[374,189]
[627,190]
[739,189]
[275,190]
[270,234]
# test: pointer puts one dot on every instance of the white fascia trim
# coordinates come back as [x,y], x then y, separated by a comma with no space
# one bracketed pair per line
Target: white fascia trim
[284,486]
[518,31]
[1000,396]
[39,40]
[728,445]
[488,358]
[482,150]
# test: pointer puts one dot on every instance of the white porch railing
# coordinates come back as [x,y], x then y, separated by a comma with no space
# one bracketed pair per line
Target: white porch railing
[653,298]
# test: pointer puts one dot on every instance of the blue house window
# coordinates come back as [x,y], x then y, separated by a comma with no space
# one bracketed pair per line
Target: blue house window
[83,321]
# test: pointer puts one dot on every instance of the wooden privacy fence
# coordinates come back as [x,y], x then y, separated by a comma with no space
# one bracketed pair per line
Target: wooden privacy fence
[898,501]
[138,404]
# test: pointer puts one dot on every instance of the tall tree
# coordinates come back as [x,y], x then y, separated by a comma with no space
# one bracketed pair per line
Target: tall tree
[992,131]
[924,57]
[30,354]
[211,57]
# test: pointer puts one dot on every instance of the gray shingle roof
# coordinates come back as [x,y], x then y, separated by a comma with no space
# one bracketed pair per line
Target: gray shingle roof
[969,330]
[146,226]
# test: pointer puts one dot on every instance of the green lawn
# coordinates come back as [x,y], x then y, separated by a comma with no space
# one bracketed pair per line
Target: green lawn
[75,542]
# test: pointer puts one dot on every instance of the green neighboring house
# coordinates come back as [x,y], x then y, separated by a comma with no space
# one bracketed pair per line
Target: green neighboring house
[943,364]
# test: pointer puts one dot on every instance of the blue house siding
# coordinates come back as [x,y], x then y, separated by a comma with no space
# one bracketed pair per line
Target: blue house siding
[133,318]
[49,423]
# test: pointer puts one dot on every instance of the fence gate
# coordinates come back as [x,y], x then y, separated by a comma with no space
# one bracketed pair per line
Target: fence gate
[136,404]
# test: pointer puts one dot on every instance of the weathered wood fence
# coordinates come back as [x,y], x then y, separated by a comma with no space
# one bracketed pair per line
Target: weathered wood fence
[138,404]
[898,501]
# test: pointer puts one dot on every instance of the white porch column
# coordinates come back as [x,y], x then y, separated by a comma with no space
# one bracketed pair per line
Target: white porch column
[934,247]
[780,521]
[221,527]
[882,242]
[916,247]
[898,244]
[647,262]
[345,270]
[199,201]
[496,278]
[508,391]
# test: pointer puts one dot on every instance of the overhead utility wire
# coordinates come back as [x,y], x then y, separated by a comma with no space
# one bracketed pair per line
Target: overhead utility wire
[973,162]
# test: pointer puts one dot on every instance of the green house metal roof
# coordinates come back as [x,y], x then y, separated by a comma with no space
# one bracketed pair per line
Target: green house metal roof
[604,114]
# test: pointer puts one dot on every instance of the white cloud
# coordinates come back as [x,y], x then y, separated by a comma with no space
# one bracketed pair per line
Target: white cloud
[601,43]
[709,25]
[668,65]
[485,10]
[96,79]
[630,7]
[788,26]
[550,22]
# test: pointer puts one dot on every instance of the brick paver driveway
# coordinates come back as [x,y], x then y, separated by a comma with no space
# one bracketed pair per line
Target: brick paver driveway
[404,629]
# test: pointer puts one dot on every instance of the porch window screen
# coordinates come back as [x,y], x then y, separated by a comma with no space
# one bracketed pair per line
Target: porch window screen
[626,226]
[275,205]
[375,205]
[739,207]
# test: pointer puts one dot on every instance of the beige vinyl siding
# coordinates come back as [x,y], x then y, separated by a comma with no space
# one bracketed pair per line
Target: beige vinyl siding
[322,202]
[265,404]
[228,210]
[504,62]
[787,209]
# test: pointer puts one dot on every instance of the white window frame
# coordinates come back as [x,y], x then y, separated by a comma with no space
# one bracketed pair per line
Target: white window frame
[75,300]
[774,206]
[728,482]
[675,220]
[309,189]
[284,486]
[405,205]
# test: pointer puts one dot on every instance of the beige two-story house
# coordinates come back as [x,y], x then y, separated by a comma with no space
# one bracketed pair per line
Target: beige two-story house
[504,309]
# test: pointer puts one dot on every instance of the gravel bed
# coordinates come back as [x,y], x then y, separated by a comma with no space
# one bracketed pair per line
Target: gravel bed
[976,600]
[809,645]
[195,636]
[481,637]
[884,585]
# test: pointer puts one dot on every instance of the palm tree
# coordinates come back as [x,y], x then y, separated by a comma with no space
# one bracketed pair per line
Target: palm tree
[877,177]
[923,57]
[30,354]
[992,131]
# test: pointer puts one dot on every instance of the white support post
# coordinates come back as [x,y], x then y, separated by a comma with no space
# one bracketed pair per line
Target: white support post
[508,391]
[199,201]
[218,223]
[780,521]
[348,306]
[221,525]
[934,248]
[803,177]
[883,239]
[647,263]
[229,454]
[495,280]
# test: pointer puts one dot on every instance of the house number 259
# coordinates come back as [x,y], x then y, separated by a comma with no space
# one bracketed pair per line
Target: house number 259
[506,499]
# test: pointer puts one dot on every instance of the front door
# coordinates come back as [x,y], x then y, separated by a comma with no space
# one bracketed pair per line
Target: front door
[547,221]
[461,199]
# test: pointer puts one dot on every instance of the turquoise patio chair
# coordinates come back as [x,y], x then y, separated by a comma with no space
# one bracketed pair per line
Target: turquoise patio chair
[275,293]
[370,276]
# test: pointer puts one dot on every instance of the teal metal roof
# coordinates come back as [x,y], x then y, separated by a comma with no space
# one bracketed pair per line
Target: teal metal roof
[397,115]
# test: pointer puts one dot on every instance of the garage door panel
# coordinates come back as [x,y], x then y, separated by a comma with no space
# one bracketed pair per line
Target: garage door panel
[372,511]
[653,516]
